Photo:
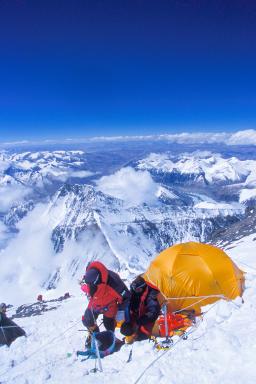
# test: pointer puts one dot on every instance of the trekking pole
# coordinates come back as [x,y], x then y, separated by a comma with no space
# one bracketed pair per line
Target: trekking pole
[130,355]
[98,354]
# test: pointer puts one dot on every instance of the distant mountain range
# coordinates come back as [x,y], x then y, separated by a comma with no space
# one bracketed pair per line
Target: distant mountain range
[199,195]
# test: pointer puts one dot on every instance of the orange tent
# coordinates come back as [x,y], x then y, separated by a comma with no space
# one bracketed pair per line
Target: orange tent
[191,275]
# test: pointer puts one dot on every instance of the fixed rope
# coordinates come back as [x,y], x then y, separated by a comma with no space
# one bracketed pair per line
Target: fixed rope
[43,347]
[163,353]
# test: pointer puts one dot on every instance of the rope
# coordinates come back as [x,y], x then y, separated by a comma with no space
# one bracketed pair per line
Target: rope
[9,326]
[165,352]
[4,335]
[189,306]
[201,298]
[180,339]
[44,346]
[193,297]
[34,369]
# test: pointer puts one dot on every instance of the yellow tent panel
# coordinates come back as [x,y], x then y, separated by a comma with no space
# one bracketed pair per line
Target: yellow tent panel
[191,275]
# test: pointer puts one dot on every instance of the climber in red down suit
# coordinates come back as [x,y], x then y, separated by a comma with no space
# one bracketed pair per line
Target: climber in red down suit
[107,294]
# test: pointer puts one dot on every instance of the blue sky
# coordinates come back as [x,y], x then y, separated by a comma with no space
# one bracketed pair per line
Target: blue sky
[85,68]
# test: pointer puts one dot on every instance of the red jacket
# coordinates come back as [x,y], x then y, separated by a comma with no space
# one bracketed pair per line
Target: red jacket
[106,299]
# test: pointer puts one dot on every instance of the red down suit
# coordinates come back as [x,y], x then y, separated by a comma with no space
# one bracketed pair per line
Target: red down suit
[109,294]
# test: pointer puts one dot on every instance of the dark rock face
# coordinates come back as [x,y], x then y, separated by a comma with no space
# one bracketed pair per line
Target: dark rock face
[147,230]
[244,227]
[17,213]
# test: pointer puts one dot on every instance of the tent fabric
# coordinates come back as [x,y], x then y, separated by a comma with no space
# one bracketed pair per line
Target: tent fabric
[187,272]
[9,330]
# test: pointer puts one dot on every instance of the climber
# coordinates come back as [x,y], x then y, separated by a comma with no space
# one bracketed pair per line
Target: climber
[144,310]
[107,295]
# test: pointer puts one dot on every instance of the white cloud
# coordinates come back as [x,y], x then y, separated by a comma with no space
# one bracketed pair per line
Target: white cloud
[27,261]
[246,137]
[12,194]
[4,165]
[134,187]
[247,194]
[63,174]
[79,174]
[3,231]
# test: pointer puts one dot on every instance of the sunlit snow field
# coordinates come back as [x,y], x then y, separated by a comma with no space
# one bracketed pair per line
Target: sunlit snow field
[220,350]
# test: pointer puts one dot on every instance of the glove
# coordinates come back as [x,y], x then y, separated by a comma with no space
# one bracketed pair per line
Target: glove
[127,329]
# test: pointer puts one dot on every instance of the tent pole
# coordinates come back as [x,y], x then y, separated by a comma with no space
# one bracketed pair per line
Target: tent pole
[166,323]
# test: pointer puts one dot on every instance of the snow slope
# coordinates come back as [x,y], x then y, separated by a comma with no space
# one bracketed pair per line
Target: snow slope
[204,166]
[220,350]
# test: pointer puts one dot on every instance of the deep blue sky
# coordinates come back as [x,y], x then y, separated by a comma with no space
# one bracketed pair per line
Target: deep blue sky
[79,68]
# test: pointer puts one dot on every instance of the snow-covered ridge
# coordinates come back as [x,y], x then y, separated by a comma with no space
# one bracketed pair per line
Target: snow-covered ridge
[206,167]
[40,168]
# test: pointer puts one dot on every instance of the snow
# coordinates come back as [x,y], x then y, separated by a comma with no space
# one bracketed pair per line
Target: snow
[220,350]
[12,194]
[247,194]
[134,187]
[213,166]
[124,231]
[39,168]
[215,205]
[164,192]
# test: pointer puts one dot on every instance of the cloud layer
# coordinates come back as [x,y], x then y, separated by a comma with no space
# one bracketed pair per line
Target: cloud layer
[11,195]
[243,137]
[134,187]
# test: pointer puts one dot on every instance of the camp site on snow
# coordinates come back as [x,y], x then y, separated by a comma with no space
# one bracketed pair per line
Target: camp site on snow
[164,305]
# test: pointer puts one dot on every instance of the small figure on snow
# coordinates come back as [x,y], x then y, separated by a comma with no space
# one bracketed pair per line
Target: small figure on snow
[3,309]
[9,331]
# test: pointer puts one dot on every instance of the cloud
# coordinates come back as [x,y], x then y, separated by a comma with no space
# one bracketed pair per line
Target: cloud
[134,187]
[3,233]
[28,260]
[80,174]
[180,138]
[74,173]
[4,165]
[243,138]
[11,195]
